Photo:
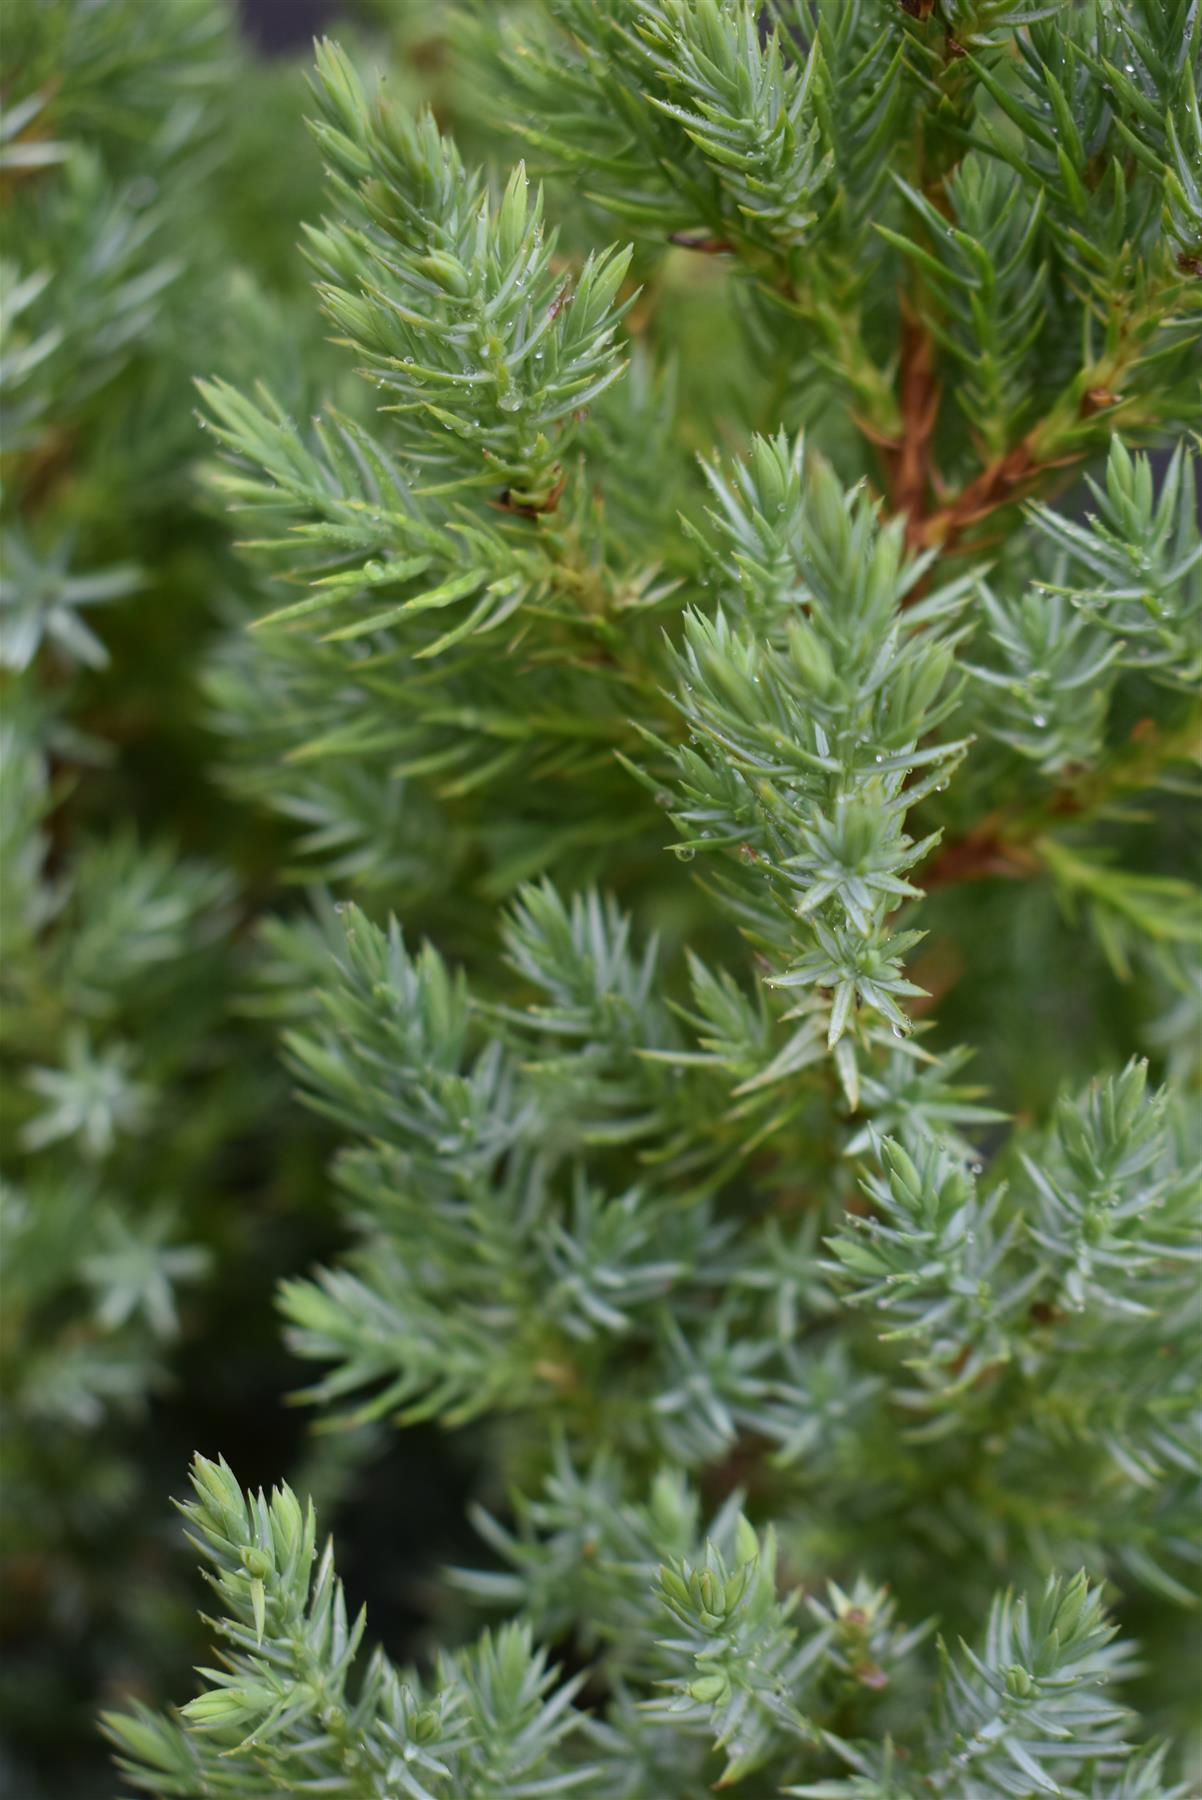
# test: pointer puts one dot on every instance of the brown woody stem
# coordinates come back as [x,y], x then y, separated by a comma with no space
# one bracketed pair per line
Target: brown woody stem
[911,459]
[1005,845]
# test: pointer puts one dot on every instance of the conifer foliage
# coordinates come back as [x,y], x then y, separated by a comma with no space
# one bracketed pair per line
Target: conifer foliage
[125,1083]
[695,820]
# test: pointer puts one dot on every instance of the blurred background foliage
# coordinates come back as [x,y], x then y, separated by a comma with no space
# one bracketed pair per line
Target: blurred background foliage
[154,170]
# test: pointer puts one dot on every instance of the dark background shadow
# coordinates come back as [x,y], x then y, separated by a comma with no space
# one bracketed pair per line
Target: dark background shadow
[275,26]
